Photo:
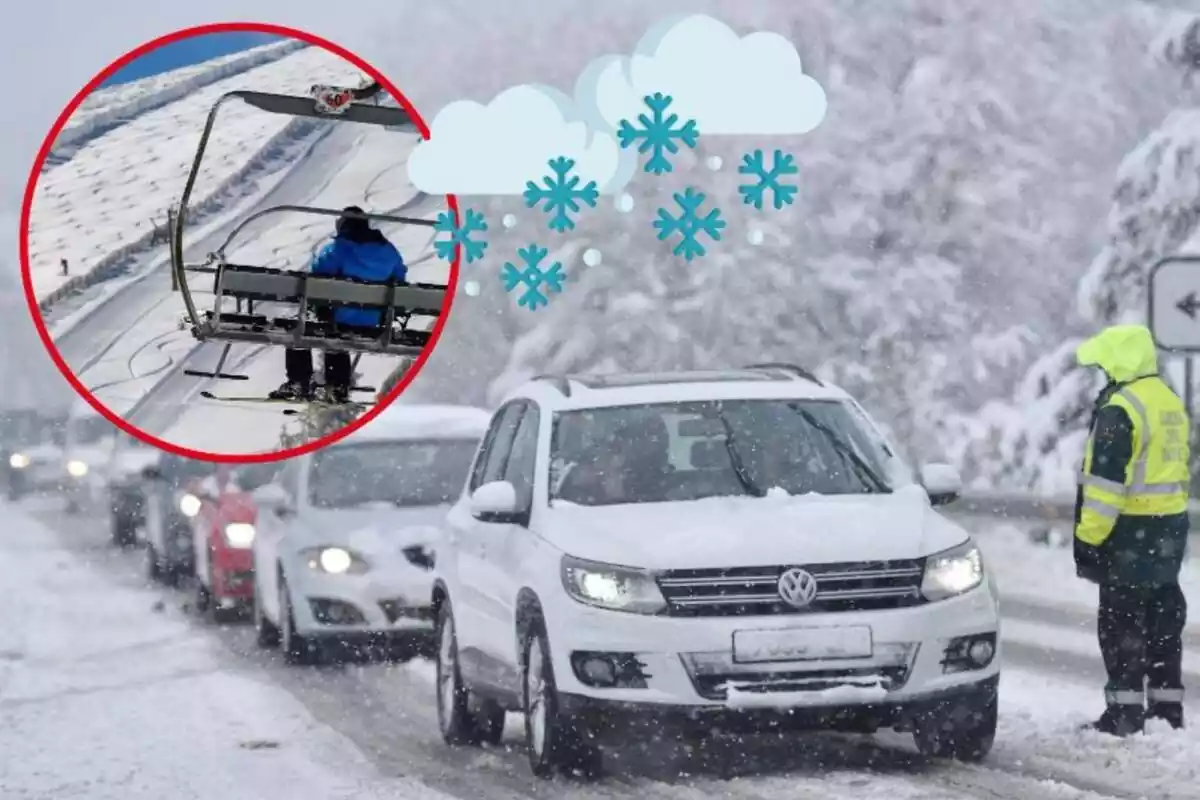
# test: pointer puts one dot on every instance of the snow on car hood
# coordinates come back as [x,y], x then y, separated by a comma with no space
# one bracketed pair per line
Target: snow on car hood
[371,530]
[748,532]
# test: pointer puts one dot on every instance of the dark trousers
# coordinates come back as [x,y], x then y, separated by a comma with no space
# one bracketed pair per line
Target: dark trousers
[299,367]
[1141,640]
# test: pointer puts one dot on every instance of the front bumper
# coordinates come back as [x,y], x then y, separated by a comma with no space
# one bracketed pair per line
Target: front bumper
[233,575]
[689,662]
[386,600]
[614,720]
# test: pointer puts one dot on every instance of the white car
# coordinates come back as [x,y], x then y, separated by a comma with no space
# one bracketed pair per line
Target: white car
[90,442]
[343,549]
[741,550]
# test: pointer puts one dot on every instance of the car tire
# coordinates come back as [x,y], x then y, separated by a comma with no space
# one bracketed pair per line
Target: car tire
[154,570]
[463,718]
[963,729]
[202,599]
[555,744]
[123,533]
[297,650]
[266,635]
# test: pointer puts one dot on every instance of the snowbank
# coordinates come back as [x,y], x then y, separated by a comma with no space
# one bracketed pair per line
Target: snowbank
[107,108]
[1045,576]
[101,698]
[111,199]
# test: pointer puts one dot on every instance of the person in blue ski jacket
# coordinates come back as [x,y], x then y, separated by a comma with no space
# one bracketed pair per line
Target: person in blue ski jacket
[360,252]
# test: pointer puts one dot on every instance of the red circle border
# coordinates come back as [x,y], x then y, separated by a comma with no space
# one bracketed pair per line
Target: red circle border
[35,308]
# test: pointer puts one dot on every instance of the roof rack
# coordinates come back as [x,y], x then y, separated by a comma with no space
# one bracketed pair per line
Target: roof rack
[561,383]
[798,371]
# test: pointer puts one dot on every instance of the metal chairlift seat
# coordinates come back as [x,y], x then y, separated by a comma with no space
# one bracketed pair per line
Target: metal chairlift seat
[250,287]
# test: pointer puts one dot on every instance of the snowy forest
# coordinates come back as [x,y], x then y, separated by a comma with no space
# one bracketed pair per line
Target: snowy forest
[990,184]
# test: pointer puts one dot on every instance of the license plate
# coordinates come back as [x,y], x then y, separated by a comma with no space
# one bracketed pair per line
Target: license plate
[801,644]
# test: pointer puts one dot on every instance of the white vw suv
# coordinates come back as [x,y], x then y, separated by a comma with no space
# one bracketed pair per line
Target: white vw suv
[739,550]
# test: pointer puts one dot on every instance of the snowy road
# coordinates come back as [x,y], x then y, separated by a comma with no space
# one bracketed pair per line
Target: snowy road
[388,712]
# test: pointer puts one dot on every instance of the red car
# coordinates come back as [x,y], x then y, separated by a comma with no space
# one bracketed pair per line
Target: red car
[223,534]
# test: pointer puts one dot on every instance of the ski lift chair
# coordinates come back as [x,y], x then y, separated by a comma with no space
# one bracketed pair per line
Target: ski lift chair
[262,296]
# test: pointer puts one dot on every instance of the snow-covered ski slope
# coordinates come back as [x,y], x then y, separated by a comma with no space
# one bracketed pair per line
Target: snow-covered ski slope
[130,676]
[113,105]
[125,342]
[104,203]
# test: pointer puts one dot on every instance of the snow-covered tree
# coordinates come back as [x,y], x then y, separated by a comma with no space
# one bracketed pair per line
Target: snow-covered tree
[1037,440]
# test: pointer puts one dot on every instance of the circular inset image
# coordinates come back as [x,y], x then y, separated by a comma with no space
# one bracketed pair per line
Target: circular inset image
[221,247]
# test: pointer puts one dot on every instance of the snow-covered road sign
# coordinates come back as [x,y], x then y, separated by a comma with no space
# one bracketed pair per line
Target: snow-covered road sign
[1174,294]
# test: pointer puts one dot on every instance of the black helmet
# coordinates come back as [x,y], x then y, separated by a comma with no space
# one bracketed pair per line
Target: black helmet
[353,227]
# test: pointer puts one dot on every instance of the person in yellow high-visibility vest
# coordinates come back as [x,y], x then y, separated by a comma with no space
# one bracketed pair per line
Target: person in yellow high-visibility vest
[1131,528]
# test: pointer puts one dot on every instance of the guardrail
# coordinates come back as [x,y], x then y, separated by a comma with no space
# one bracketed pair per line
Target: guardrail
[1033,507]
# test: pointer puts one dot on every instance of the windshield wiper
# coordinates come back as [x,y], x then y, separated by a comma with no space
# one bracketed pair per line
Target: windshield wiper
[735,458]
[861,467]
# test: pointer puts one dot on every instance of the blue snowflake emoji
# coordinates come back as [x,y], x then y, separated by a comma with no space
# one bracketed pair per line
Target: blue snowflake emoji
[473,222]
[658,134]
[690,225]
[562,194]
[533,277]
[768,180]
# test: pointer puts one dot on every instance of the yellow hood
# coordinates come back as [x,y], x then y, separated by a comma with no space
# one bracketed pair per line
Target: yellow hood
[1124,352]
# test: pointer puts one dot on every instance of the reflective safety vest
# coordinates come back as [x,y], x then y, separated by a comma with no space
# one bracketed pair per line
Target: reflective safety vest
[1157,476]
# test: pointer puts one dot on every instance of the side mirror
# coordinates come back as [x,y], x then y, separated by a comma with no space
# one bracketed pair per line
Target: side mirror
[495,502]
[152,473]
[942,482]
[273,497]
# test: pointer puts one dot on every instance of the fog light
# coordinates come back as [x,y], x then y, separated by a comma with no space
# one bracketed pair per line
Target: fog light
[609,670]
[77,469]
[599,671]
[980,652]
[966,653]
[18,461]
[335,612]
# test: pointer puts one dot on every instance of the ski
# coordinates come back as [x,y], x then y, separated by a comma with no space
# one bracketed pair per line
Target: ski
[227,398]
[295,412]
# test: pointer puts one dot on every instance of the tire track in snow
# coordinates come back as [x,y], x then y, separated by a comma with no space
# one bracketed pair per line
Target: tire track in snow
[389,713]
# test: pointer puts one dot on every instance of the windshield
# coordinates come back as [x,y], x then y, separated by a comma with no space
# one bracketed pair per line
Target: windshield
[181,470]
[427,472]
[90,430]
[253,476]
[688,451]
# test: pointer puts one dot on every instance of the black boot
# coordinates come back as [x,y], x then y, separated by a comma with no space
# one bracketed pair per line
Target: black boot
[1171,713]
[292,390]
[1120,721]
[337,395]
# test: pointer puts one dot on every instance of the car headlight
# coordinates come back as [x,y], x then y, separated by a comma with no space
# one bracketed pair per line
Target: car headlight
[952,572]
[239,535]
[189,504]
[335,561]
[18,461]
[614,588]
[77,469]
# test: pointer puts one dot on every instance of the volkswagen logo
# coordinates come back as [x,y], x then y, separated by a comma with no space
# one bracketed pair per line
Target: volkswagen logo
[797,587]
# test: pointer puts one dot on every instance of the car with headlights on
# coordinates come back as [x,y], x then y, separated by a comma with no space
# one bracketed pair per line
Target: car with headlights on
[33,453]
[89,444]
[174,494]
[740,550]
[343,548]
[223,536]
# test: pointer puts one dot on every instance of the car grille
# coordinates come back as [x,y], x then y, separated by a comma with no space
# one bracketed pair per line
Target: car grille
[754,591]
